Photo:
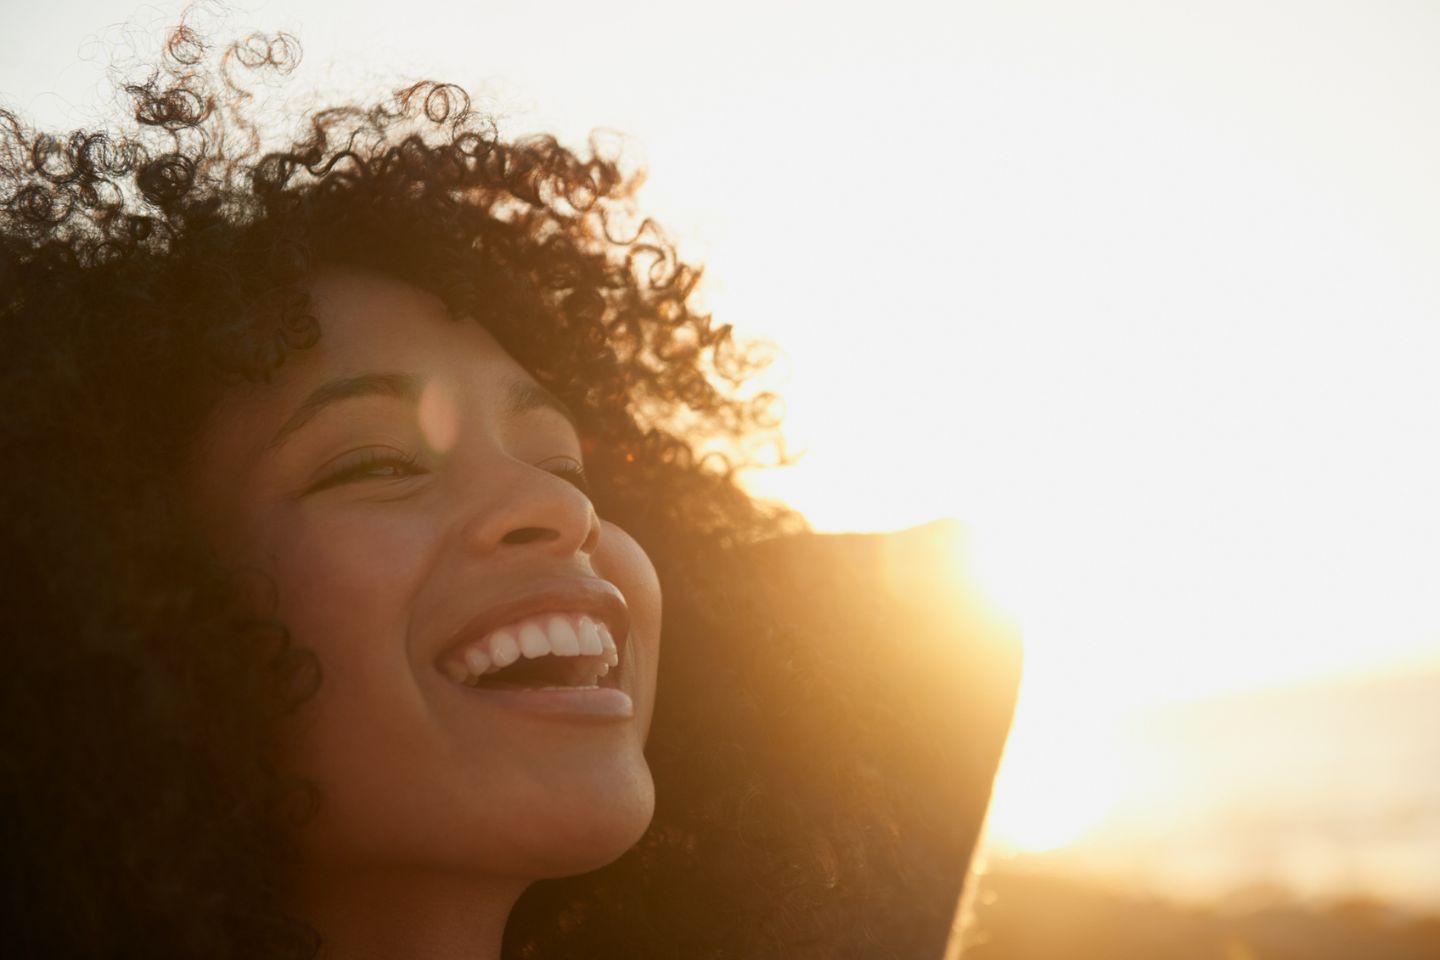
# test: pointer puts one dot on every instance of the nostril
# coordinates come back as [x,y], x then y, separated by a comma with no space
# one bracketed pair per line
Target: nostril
[529,535]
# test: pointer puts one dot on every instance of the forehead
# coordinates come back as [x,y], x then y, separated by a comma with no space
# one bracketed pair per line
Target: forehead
[368,320]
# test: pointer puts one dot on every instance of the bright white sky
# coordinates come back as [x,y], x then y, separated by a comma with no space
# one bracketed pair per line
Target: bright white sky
[1146,292]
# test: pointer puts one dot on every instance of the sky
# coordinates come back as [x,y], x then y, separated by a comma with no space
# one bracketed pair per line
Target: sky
[1143,292]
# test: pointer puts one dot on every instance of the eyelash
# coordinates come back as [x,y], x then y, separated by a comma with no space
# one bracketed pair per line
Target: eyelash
[406,463]
[566,468]
[570,470]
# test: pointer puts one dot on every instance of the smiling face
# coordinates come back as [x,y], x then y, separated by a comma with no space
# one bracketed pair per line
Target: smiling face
[412,494]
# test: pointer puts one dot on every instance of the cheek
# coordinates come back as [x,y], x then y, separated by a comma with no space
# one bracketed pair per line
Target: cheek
[345,580]
[621,560]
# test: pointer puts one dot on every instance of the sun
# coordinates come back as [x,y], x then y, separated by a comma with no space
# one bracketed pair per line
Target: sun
[1062,775]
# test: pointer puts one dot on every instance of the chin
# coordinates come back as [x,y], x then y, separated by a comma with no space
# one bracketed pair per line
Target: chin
[593,827]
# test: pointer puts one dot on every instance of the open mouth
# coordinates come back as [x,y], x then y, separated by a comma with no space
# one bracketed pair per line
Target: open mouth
[548,651]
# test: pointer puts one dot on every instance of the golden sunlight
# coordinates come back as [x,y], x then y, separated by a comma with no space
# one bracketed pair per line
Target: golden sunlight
[1161,334]
[1148,302]
[1060,777]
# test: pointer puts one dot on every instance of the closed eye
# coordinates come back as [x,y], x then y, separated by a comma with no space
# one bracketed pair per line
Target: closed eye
[569,469]
[371,463]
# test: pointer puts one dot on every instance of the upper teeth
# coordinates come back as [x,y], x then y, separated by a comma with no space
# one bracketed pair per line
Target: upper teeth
[550,634]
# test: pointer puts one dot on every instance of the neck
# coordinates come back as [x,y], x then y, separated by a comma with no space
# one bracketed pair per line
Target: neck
[389,915]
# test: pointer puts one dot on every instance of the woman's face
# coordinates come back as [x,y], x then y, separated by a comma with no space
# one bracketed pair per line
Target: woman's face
[410,492]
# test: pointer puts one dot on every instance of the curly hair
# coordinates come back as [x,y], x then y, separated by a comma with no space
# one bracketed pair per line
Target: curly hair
[146,270]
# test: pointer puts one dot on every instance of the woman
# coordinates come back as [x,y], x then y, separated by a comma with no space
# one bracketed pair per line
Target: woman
[318,639]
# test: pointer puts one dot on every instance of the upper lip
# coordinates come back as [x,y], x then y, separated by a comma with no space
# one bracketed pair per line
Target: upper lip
[597,598]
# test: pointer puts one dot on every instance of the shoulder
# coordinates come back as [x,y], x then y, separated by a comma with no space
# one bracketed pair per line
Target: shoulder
[920,672]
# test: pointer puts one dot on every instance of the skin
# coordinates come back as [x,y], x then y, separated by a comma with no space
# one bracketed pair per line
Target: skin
[377,529]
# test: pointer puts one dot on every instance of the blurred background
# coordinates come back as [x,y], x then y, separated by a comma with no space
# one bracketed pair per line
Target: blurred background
[1143,292]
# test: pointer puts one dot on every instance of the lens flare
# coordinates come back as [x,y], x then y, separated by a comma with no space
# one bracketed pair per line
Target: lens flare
[439,416]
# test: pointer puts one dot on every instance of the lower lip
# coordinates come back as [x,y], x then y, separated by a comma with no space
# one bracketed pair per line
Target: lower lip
[562,703]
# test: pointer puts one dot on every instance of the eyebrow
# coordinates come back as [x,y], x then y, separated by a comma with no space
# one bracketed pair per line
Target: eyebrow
[526,395]
[521,397]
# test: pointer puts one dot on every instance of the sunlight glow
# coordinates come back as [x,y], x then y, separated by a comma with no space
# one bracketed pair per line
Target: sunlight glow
[1059,778]
[1149,301]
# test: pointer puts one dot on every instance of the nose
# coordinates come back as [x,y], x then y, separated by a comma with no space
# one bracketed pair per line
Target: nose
[532,509]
